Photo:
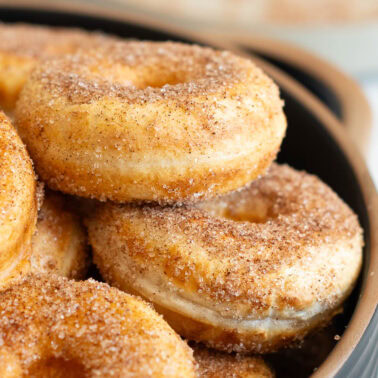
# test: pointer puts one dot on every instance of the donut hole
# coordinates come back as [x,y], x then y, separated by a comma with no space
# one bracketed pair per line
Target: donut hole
[155,80]
[57,367]
[257,211]
[253,215]
[141,78]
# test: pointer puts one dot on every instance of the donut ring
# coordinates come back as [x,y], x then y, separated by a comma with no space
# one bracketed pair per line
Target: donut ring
[59,244]
[50,325]
[213,364]
[18,203]
[254,270]
[152,121]
[23,46]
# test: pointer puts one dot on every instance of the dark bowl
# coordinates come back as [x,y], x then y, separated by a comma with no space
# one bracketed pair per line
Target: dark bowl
[315,142]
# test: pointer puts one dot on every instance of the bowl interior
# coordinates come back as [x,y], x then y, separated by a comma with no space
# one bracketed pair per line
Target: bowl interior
[308,144]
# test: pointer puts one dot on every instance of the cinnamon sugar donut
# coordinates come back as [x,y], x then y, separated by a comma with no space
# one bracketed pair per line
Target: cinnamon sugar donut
[23,46]
[254,270]
[154,121]
[59,244]
[18,203]
[213,364]
[53,327]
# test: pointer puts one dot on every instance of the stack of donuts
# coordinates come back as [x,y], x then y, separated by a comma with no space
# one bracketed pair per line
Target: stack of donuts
[155,160]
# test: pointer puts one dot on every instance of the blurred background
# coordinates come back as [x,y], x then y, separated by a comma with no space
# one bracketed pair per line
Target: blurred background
[344,31]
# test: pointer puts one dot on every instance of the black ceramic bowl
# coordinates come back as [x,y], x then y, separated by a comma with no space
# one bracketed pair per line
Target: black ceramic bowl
[315,142]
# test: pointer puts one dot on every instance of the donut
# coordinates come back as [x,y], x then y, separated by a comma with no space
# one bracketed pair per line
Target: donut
[23,46]
[252,271]
[53,327]
[59,244]
[214,364]
[150,121]
[18,204]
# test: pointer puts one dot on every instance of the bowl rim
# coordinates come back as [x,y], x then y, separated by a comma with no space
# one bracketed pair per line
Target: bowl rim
[366,304]
[356,111]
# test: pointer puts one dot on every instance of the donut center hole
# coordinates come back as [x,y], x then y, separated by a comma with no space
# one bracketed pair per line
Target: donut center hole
[157,81]
[142,78]
[258,211]
[247,216]
[57,368]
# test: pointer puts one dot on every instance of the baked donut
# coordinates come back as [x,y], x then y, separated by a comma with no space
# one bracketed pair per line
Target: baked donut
[18,203]
[59,244]
[151,121]
[23,46]
[214,364]
[252,271]
[53,327]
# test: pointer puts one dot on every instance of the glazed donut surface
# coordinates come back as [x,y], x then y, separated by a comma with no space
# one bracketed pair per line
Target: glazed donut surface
[22,46]
[154,121]
[59,244]
[18,203]
[254,270]
[50,325]
[214,364]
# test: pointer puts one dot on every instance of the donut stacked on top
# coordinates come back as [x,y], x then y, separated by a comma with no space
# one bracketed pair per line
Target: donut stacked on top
[177,143]
[163,122]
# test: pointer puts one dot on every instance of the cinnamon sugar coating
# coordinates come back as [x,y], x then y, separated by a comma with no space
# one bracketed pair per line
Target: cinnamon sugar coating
[59,244]
[50,325]
[18,203]
[254,270]
[152,121]
[214,364]
[22,46]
